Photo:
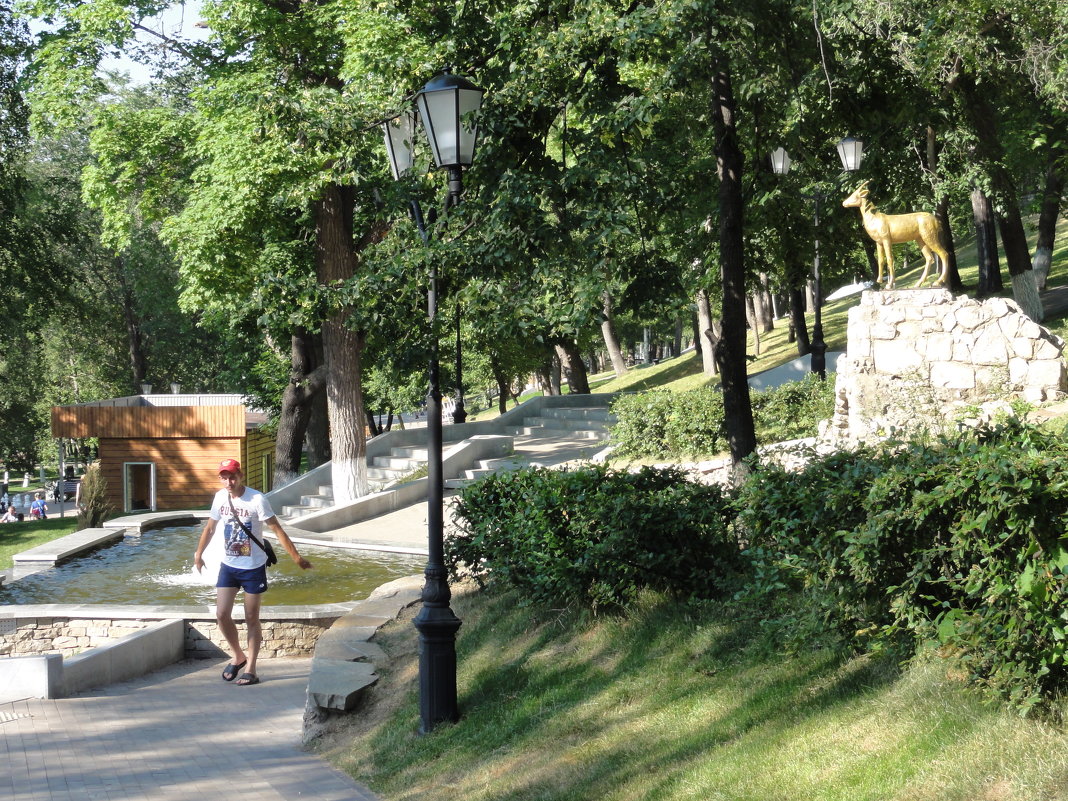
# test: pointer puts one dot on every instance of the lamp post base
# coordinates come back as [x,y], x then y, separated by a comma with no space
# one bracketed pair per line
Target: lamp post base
[437,667]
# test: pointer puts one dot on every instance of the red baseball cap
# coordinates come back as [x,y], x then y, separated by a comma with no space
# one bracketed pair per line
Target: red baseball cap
[229,466]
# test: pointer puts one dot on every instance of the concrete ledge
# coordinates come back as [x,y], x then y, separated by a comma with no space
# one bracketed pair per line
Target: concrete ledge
[156,646]
[38,676]
[146,521]
[52,676]
[65,547]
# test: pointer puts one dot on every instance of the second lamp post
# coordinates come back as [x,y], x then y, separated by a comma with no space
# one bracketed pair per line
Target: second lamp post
[851,151]
[447,107]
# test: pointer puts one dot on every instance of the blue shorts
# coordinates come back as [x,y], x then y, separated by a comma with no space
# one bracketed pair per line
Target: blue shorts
[253,581]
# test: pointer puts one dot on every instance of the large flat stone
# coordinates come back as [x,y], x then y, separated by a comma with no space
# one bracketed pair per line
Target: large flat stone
[338,684]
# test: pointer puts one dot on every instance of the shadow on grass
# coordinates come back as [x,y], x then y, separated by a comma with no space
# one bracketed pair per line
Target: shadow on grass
[570,708]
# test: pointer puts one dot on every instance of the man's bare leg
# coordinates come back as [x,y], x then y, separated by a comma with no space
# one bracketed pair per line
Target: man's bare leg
[224,608]
[255,631]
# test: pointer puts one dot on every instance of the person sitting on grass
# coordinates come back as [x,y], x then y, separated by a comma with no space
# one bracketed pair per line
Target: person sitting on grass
[39,509]
[10,516]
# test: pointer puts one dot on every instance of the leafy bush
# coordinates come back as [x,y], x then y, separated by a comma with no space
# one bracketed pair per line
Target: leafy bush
[961,541]
[970,545]
[690,424]
[94,507]
[794,524]
[595,536]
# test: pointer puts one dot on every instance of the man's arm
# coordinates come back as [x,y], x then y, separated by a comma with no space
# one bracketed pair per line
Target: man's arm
[286,543]
[205,538]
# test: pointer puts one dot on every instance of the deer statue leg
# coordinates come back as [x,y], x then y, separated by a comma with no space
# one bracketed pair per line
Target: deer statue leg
[889,253]
[943,260]
[928,257]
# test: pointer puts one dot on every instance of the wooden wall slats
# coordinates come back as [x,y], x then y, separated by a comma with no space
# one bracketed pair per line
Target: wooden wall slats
[155,422]
[186,469]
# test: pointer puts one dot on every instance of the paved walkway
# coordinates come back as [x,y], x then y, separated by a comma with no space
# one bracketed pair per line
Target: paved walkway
[179,734]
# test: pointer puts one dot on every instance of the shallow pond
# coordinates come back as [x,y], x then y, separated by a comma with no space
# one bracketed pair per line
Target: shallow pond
[157,568]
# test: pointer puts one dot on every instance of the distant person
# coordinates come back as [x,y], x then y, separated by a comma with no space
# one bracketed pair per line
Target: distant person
[39,509]
[244,511]
[10,516]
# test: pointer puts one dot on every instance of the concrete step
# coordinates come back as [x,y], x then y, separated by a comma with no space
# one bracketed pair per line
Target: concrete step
[565,424]
[395,462]
[317,501]
[600,414]
[297,511]
[534,431]
[413,452]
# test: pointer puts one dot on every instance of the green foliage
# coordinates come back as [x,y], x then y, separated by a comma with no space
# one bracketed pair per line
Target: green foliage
[595,536]
[681,424]
[959,541]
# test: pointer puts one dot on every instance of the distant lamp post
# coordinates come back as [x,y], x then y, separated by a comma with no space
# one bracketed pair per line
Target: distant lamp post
[447,107]
[851,151]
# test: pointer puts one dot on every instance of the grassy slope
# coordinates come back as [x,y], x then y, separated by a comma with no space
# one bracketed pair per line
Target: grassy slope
[674,703]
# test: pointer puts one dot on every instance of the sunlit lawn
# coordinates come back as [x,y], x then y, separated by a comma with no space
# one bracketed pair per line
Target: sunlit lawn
[18,537]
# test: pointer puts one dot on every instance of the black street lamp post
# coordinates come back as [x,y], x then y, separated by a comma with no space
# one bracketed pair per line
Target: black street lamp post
[851,151]
[447,107]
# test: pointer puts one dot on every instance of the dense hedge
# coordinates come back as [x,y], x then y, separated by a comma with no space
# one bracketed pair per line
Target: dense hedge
[665,424]
[961,542]
[595,536]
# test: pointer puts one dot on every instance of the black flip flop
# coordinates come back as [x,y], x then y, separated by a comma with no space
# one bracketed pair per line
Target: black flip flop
[246,679]
[230,671]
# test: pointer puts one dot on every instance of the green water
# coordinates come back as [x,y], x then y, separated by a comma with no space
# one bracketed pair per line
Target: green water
[157,568]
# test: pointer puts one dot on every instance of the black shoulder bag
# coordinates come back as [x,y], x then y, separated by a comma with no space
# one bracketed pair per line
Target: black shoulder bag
[265,546]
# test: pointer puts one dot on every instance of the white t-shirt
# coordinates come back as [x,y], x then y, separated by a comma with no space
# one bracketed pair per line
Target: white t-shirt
[253,508]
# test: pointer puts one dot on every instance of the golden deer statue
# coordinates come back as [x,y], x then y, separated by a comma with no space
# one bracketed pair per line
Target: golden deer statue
[894,229]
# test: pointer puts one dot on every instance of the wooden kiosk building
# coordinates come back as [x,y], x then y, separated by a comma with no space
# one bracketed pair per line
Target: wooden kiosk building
[161,452]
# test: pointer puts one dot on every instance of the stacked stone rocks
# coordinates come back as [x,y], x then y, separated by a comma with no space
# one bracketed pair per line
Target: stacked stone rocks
[922,359]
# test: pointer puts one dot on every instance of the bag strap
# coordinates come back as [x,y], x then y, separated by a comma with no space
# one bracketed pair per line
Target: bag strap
[246,529]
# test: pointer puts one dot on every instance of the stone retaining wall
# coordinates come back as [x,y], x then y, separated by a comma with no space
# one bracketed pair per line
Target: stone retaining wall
[70,636]
[921,358]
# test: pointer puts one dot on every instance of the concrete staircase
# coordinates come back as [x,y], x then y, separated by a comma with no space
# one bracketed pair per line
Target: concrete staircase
[553,434]
[579,423]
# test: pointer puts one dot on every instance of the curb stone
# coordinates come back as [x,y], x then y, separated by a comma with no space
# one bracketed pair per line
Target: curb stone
[344,661]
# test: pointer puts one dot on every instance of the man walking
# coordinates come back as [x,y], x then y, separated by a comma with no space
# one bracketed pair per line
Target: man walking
[243,512]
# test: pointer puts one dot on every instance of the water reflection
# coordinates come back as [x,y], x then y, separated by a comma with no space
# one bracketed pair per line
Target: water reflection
[157,568]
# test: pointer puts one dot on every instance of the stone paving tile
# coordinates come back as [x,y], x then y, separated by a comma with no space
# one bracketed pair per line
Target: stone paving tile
[179,734]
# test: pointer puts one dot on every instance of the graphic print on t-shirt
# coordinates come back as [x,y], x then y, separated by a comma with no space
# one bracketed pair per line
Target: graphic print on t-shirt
[237,541]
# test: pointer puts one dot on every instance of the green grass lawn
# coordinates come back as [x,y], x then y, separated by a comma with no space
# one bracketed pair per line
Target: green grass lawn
[679,702]
[18,537]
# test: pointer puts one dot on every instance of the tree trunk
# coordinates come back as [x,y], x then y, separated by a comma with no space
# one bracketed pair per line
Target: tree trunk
[695,323]
[318,433]
[611,341]
[762,306]
[571,361]
[676,349]
[797,320]
[134,340]
[730,351]
[751,319]
[504,386]
[306,381]
[1010,223]
[707,335]
[343,347]
[986,245]
[941,213]
[1047,220]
